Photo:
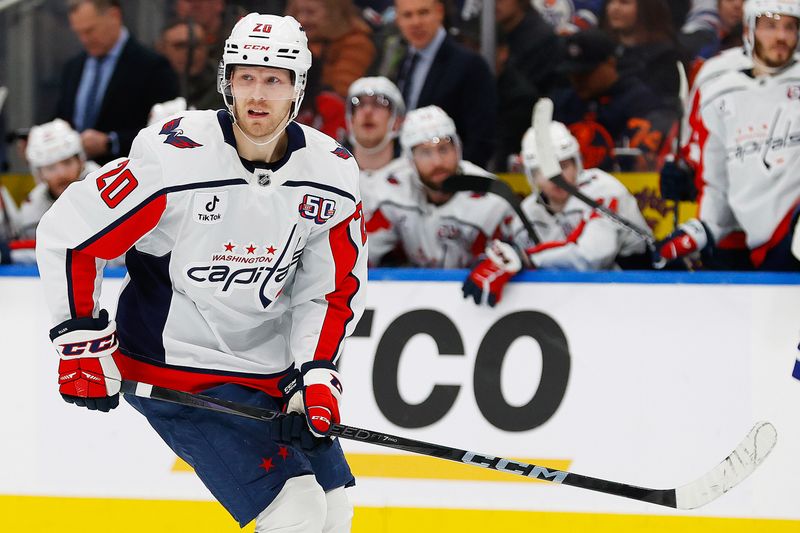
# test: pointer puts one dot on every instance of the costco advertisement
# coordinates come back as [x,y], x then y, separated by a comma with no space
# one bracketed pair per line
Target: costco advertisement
[646,384]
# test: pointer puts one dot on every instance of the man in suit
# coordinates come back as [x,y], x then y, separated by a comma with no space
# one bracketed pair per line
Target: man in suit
[436,70]
[107,90]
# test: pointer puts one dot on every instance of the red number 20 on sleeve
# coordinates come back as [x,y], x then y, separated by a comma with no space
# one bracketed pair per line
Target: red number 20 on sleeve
[122,184]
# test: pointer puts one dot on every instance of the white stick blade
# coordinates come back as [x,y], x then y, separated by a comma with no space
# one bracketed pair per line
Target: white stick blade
[750,453]
[545,153]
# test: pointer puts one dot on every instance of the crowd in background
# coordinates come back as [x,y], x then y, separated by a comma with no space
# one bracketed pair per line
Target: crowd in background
[618,71]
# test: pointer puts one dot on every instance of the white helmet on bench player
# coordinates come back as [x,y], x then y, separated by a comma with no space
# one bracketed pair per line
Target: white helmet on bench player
[52,142]
[266,41]
[387,93]
[757,8]
[428,124]
[565,146]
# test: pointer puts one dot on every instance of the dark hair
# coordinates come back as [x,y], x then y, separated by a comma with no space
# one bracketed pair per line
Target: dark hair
[177,21]
[653,16]
[100,5]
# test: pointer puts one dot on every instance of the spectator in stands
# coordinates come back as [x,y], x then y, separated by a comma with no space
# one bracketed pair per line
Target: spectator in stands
[341,44]
[107,90]
[183,43]
[435,70]
[375,112]
[56,158]
[533,48]
[433,228]
[339,39]
[697,24]
[574,236]
[217,18]
[644,29]
[731,13]
[620,122]
[568,16]
[515,98]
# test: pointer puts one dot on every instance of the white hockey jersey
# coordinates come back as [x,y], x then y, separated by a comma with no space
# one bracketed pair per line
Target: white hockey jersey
[39,201]
[726,61]
[371,182]
[236,271]
[579,237]
[450,235]
[750,155]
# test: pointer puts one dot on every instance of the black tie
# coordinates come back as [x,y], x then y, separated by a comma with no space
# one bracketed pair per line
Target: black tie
[405,81]
[92,106]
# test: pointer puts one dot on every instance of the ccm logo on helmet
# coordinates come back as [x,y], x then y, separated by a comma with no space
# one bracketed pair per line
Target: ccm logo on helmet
[93,346]
[256,47]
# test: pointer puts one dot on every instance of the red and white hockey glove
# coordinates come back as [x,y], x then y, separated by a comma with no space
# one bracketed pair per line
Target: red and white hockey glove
[87,373]
[317,394]
[690,237]
[486,281]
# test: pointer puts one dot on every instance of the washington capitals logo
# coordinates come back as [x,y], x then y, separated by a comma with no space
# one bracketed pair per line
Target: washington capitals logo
[342,152]
[175,136]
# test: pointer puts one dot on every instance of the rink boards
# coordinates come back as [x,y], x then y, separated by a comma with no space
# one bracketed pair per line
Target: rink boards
[649,379]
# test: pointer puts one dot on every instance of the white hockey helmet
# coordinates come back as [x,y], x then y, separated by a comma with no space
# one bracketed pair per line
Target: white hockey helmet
[381,87]
[565,146]
[427,124]
[266,41]
[756,8]
[52,142]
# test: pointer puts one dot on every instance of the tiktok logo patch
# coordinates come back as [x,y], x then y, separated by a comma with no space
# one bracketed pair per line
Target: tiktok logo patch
[209,207]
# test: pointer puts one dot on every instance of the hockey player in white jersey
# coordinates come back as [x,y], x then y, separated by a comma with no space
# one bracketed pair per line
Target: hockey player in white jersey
[374,114]
[246,265]
[574,235]
[55,155]
[749,159]
[431,227]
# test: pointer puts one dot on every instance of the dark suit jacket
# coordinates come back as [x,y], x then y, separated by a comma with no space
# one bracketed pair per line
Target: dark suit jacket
[460,82]
[140,79]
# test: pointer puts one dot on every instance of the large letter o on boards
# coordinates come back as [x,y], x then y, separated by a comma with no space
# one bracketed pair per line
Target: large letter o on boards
[387,361]
[555,371]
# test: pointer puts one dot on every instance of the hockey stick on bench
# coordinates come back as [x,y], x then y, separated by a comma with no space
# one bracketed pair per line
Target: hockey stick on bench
[551,169]
[750,453]
[484,184]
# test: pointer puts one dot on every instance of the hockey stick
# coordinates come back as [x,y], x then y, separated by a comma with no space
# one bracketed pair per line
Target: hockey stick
[750,453]
[683,94]
[551,169]
[484,184]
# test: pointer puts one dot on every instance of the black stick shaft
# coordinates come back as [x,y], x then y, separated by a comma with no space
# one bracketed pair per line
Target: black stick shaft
[665,497]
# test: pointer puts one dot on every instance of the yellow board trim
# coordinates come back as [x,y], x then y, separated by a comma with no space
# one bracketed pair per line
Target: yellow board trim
[422,467]
[36,514]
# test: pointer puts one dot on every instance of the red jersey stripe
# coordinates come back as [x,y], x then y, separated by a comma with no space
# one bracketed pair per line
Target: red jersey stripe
[339,313]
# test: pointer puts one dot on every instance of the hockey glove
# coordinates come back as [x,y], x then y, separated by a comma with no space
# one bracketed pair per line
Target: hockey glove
[87,373]
[486,281]
[315,393]
[690,237]
[677,181]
